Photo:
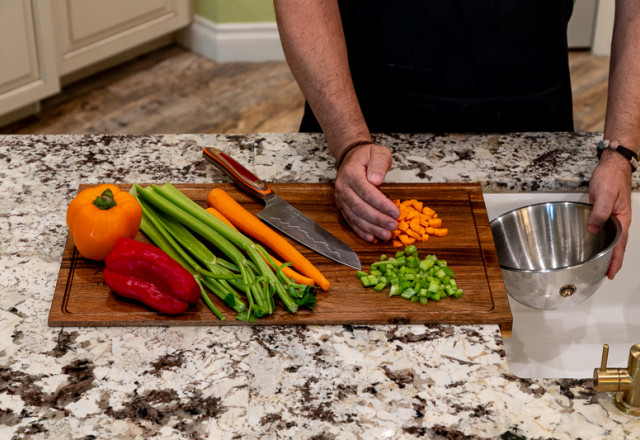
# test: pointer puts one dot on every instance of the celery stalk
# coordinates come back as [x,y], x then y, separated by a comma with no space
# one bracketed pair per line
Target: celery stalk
[254,251]
[182,217]
[157,236]
[219,287]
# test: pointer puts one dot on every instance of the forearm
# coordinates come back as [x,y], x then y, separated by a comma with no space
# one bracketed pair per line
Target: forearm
[623,101]
[313,43]
[609,187]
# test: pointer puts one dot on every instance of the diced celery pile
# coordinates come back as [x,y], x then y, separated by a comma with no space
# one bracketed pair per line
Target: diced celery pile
[412,278]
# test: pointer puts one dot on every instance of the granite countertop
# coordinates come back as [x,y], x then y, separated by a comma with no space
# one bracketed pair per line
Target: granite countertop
[296,382]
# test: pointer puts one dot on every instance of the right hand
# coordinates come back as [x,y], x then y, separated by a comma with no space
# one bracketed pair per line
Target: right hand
[610,193]
[365,208]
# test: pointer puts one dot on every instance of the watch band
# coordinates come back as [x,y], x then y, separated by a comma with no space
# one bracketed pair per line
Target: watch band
[615,146]
[350,147]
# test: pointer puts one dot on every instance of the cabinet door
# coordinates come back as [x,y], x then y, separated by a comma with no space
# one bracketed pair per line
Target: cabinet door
[28,69]
[88,31]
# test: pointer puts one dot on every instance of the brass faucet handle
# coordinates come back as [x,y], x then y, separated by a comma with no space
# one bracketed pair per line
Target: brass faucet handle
[605,356]
[634,360]
[610,379]
[613,379]
[626,381]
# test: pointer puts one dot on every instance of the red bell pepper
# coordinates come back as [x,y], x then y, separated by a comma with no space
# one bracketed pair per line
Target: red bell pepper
[146,273]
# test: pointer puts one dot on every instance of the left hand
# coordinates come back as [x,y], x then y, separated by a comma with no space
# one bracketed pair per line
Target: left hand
[610,193]
[367,210]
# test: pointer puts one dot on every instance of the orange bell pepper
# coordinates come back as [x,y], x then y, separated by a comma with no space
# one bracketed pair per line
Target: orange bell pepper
[97,217]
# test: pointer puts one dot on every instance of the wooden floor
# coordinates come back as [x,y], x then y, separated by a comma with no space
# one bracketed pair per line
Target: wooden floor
[172,90]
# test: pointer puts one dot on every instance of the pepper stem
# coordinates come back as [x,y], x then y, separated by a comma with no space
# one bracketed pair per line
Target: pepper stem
[105,201]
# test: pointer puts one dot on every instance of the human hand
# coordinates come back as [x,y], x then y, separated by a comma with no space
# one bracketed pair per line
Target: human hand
[610,193]
[365,208]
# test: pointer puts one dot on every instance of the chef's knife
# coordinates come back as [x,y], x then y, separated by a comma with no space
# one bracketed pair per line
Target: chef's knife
[281,215]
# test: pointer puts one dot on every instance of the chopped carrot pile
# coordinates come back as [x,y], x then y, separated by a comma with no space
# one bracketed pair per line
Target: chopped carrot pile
[416,223]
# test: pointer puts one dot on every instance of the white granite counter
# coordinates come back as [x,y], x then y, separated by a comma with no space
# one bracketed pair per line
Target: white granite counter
[317,382]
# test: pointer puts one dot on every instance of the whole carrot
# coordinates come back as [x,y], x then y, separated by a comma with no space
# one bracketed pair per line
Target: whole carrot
[298,278]
[219,216]
[253,226]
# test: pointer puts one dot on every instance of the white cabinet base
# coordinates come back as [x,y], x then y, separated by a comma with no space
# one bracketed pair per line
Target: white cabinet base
[120,58]
[27,54]
[21,113]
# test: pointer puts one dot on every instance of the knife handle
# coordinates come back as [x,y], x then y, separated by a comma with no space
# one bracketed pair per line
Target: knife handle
[239,174]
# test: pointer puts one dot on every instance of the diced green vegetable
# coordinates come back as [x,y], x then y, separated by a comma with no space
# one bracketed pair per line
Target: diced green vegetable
[412,278]
[381,285]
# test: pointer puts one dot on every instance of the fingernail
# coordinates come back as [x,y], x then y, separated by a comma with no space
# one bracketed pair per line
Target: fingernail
[375,178]
[392,226]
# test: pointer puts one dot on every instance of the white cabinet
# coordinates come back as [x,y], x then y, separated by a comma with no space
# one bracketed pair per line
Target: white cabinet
[591,26]
[89,31]
[582,23]
[41,41]
[28,66]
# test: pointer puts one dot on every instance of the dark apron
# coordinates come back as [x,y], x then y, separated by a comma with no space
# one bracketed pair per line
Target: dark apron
[458,65]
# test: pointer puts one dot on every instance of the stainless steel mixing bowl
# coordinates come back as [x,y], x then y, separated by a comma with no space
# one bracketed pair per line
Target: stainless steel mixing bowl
[548,258]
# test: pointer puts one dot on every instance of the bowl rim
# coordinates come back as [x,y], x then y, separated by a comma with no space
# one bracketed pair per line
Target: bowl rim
[599,255]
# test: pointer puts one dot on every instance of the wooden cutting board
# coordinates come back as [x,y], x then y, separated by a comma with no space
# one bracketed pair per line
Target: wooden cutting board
[82,299]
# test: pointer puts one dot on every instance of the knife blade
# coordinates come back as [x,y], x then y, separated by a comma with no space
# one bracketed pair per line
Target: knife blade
[281,215]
